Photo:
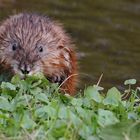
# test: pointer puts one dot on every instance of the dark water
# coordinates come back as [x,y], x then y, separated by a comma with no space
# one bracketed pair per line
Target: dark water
[106,34]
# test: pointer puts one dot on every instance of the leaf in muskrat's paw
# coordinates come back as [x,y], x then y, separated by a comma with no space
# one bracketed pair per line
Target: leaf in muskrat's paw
[38,79]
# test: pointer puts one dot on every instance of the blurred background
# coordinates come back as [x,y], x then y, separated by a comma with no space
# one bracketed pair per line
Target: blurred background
[106,34]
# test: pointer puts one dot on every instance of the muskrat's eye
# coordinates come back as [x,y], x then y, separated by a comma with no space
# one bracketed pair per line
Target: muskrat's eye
[14,47]
[40,49]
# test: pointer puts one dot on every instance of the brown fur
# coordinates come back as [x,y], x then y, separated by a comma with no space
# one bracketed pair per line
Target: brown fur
[30,32]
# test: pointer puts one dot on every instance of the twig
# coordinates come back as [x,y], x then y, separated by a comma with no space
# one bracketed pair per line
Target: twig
[99,79]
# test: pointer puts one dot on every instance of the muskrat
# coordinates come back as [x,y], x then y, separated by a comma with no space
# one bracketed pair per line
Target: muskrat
[32,43]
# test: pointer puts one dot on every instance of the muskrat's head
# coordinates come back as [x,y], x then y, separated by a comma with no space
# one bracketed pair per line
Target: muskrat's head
[31,43]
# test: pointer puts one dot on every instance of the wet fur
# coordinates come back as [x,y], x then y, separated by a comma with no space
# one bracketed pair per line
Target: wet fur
[30,31]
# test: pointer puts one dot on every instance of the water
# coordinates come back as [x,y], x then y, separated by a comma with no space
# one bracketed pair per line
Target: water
[106,34]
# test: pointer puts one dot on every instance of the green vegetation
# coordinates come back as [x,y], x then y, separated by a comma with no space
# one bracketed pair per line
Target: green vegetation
[33,109]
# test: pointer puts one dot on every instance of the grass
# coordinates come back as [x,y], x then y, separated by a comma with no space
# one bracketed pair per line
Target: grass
[33,109]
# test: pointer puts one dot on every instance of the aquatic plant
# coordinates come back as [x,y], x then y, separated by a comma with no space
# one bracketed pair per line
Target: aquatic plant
[33,109]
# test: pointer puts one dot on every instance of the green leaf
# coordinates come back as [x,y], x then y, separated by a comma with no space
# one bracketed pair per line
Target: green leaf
[65,98]
[85,131]
[42,97]
[39,75]
[86,102]
[77,122]
[36,91]
[122,131]
[130,82]
[76,102]
[106,117]
[48,110]
[84,114]
[7,85]
[20,101]
[92,93]
[40,112]
[63,113]
[93,138]
[35,84]
[23,86]
[113,97]
[16,79]
[5,105]
[27,121]
[132,115]
[59,128]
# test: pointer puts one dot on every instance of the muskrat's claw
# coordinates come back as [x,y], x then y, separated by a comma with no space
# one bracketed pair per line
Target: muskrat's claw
[56,79]
[62,78]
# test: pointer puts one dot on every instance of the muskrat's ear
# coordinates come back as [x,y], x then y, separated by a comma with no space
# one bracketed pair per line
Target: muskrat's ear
[60,47]
[63,47]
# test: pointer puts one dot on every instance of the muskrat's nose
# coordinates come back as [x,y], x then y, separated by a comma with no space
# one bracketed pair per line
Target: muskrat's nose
[25,69]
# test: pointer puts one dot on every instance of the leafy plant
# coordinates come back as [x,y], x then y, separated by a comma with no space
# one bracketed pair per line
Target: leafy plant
[34,109]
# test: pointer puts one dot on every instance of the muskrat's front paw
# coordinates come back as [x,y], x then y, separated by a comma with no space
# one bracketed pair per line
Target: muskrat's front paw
[56,79]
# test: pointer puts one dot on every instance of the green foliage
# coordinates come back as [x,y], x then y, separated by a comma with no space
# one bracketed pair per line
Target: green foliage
[113,97]
[34,109]
[130,82]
